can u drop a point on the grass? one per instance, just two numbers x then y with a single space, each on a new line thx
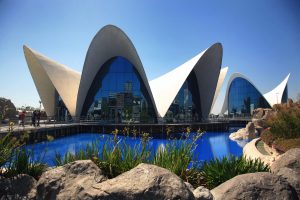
22 162
218 171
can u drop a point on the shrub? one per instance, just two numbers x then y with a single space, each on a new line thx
7 145
218 171
267 137
23 162
283 145
286 124
175 156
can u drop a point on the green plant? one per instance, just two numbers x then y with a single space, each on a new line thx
22 162
7 145
286 124
89 152
218 171
177 155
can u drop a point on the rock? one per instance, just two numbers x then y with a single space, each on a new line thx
269 113
258 113
68 181
261 185
288 167
290 159
21 186
292 176
189 186
244 133
201 193
145 182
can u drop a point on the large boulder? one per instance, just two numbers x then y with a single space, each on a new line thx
290 159
18 187
244 133
261 185
202 193
145 182
68 181
288 167
291 176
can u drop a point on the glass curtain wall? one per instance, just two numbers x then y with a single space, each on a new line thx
186 106
285 95
118 95
62 113
243 98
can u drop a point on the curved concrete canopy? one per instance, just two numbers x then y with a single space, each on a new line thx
275 96
234 76
206 66
49 76
109 42
220 83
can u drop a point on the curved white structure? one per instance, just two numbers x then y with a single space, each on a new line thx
166 87
108 43
271 97
275 96
49 76
220 83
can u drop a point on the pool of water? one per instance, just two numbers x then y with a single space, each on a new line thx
210 145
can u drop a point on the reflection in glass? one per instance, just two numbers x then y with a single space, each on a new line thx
62 113
186 105
284 95
118 95
243 98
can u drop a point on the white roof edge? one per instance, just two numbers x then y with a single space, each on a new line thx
221 79
275 95
110 41
166 87
64 79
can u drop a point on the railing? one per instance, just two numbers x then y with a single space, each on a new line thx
48 122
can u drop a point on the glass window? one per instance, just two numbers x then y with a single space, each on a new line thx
118 95
186 104
243 98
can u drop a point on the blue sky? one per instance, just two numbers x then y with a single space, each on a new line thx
261 38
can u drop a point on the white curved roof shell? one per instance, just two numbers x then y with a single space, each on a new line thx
49 75
206 65
275 96
222 76
108 43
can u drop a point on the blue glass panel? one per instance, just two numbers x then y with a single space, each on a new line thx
243 98
186 106
118 95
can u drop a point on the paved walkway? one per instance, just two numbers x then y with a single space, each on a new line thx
5 128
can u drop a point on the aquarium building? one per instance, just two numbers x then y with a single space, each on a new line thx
113 86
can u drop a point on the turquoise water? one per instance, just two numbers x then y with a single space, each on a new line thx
210 145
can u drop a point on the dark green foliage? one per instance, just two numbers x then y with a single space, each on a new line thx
22 162
218 171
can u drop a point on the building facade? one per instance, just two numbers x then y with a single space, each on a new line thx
113 86
242 97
